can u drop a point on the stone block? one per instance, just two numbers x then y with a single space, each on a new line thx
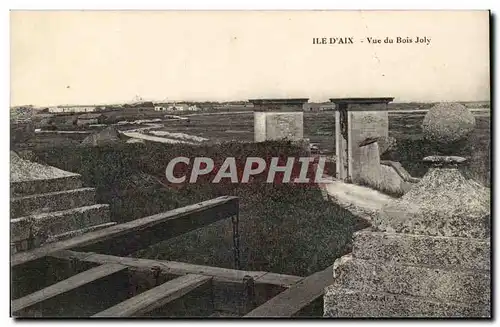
387 176
259 126
381 106
278 126
368 124
78 232
43 226
443 203
347 303
53 201
445 252
27 177
392 182
433 283
363 159
273 105
367 170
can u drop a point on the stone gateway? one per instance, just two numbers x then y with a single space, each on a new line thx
428 252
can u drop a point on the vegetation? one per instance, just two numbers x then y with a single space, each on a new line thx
284 227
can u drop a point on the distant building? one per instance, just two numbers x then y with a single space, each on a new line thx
327 107
89 119
160 108
182 107
69 109
178 107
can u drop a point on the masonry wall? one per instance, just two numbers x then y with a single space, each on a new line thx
259 126
365 124
382 177
278 125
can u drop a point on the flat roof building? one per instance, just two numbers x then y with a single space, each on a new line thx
69 109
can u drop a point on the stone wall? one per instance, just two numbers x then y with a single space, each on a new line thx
278 125
365 125
49 204
388 177
259 126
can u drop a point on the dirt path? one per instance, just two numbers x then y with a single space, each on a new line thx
359 200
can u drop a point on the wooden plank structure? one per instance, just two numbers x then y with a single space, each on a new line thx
99 271
156 297
66 285
291 301
140 233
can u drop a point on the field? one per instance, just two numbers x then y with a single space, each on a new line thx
237 125
319 128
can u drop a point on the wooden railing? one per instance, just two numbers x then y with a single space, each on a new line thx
92 276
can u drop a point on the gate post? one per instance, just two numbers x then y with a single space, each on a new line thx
276 119
357 119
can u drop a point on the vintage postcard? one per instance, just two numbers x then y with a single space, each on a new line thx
239 164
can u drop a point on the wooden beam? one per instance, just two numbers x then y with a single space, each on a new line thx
66 285
181 268
282 280
296 297
137 234
155 297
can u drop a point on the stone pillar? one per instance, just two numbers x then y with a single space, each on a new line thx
428 253
356 120
276 119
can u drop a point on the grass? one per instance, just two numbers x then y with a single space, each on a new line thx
283 229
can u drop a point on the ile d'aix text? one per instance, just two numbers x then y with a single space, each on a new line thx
373 40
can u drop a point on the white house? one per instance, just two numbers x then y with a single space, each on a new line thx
182 107
61 109
160 108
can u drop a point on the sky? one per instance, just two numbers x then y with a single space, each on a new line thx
97 57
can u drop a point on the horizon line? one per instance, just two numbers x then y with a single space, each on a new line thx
224 101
